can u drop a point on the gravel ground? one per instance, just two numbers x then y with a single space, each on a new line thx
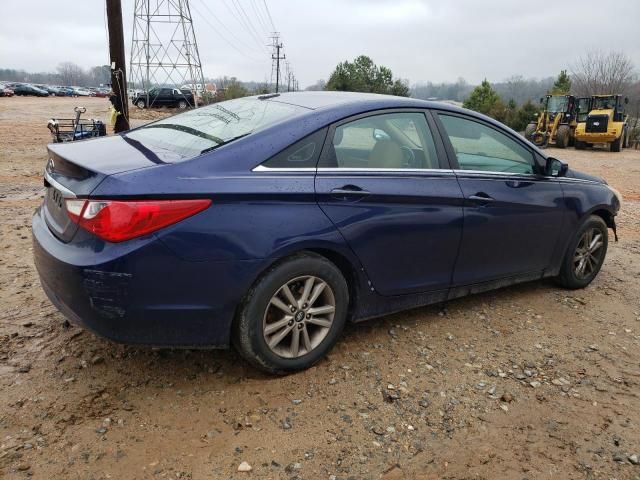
528 382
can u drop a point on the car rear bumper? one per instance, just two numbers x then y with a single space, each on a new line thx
139 292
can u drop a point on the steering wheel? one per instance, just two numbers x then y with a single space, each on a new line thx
409 156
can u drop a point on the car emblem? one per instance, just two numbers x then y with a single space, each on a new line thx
596 123
50 165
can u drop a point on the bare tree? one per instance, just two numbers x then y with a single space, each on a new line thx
602 73
71 74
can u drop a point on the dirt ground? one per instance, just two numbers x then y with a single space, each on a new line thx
528 382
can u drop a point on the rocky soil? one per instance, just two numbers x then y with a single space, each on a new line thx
529 382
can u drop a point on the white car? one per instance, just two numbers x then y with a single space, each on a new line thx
82 92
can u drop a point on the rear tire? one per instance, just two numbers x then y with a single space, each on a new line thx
276 328
585 254
562 136
580 145
528 131
616 145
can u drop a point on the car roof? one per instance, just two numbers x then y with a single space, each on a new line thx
316 100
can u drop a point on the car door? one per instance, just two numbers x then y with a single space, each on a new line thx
513 213
384 181
166 97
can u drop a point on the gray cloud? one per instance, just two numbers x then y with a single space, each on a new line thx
419 40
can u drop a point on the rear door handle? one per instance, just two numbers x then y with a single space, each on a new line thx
481 198
349 191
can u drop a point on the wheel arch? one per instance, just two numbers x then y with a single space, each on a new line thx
345 262
606 214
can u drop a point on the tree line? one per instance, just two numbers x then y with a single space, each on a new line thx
514 101
67 73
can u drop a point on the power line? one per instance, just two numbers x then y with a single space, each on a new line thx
248 20
261 21
269 15
228 30
235 13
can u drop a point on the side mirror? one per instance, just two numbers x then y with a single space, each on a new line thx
556 168
541 100
626 100
380 135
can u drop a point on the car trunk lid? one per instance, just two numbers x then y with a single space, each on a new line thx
75 169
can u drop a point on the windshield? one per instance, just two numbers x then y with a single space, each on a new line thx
202 129
603 103
557 104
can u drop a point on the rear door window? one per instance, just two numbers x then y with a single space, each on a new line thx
400 140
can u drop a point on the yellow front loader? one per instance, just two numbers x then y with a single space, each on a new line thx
556 124
607 123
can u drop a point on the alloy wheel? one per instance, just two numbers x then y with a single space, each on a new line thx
588 254
299 316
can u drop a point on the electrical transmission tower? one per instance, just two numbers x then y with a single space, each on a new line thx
164 50
275 59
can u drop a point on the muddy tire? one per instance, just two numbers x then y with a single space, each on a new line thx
585 254
293 314
528 131
562 136
616 145
182 104
140 104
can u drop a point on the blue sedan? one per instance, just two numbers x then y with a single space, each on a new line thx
268 222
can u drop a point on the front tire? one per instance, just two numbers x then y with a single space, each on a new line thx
585 254
140 104
562 136
293 315
182 104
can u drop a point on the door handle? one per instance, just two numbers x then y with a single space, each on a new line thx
481 198
349 191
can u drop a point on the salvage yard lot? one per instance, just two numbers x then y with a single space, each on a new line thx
526 382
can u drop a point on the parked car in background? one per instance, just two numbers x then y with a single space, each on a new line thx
134 92
165 97
102 92
82 92
279 217
53 91
5 91
66 91
28 89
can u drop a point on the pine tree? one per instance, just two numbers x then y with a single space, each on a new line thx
562 85
362 75
484 99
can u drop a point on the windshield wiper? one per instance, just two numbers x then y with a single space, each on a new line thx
223 143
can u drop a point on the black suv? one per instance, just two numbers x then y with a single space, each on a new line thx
165 97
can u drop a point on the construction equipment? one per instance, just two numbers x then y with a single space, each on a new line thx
557 123
606 123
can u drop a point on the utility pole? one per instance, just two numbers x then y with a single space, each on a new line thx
119 98
276 57
288 75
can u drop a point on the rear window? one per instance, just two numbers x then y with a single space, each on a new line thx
197 131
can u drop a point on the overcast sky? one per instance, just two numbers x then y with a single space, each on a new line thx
420 40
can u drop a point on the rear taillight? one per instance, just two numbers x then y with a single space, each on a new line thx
120 220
